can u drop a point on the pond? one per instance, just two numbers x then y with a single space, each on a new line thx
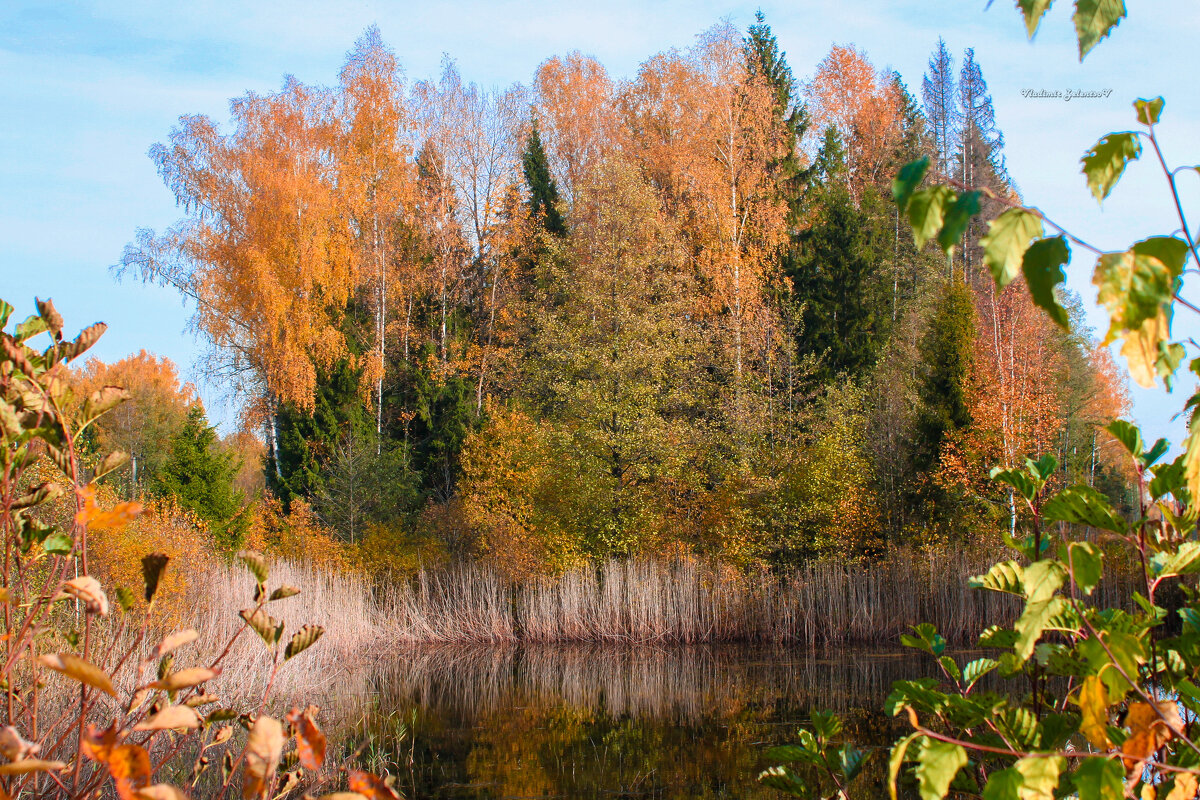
611 722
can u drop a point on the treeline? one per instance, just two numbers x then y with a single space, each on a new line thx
591 317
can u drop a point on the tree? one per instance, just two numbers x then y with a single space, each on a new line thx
576 109
616 360
941 108
543 193
145 424
834 274
199 475
376 183
948 351
766 62
862 105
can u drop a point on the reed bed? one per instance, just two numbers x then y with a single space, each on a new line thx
686 601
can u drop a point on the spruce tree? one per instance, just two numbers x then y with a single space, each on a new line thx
835 274
543 192
764 59
946 351
941 107
200 477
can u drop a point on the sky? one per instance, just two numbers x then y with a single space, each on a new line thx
88 87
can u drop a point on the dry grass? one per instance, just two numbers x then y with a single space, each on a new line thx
631 601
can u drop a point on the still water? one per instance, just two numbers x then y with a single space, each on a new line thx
612 722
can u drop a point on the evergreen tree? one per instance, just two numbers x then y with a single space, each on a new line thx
543 192
306 440
946 351
835 274
941 107
764 59
980 159
200 477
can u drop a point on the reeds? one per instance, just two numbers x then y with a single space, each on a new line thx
687 601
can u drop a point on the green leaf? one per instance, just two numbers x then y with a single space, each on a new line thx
5 312
266 626
1148 111
1184 561
58 544
1042 580
1017 479
896 760
937 765
1086 562
784 780
1033 11
1039 776
1084 505
1128 434
957 218
927 639
976 669
1007 239
1004 784
1042 267
1106 161
1006 577
927 210
1095 19
1099 779
907 180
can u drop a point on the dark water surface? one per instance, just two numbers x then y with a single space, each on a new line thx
611 722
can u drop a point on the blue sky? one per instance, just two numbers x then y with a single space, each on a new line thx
87 87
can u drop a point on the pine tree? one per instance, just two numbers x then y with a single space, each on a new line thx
200 477
941 108
543 193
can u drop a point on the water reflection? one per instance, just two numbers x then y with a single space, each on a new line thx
605 722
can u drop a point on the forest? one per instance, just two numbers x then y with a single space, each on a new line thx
595 317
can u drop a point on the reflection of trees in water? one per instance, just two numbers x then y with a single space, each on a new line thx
590 721
680 683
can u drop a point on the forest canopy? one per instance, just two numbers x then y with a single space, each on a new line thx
598 316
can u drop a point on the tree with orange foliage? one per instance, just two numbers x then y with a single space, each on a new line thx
377 185
574 105
477 134
261 252
707 133
863 105
143 426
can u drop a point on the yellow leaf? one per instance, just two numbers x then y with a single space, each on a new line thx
186 678
83 671
174 641
1184 788
171 718
1140 349
1093 705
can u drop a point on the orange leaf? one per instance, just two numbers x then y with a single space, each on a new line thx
310 741
263 749
129 766
371 786
99 746
1148 731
